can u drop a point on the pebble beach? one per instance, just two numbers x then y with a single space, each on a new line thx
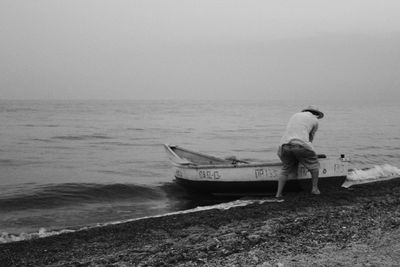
358 226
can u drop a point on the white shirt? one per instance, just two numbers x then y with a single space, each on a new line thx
301 129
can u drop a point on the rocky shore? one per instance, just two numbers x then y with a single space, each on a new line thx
359 226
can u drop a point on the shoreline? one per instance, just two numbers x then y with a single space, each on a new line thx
341 227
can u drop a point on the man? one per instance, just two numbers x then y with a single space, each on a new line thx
296 147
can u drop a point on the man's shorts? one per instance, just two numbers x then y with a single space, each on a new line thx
293 154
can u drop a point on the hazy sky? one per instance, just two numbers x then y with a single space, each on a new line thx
157 49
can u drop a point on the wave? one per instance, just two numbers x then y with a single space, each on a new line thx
16 162
42 125
59 195
17 109
81 137
125 144
135 129
7 238
42 140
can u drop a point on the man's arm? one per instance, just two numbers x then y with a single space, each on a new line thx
313 131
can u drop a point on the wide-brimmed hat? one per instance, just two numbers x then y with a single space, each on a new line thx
315 111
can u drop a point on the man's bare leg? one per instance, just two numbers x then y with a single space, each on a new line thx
314 177
282 181
281 185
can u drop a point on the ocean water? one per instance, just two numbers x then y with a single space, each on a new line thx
67 165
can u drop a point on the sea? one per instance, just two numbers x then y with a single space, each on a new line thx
67 165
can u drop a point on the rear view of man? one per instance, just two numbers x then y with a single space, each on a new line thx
296 147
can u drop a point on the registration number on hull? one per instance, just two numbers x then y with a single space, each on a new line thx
266 172
210 175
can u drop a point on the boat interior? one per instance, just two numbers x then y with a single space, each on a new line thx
195 157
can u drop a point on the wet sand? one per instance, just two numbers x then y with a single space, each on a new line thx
359 226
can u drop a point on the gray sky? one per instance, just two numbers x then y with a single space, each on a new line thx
157 49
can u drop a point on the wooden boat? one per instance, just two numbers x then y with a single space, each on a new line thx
204 173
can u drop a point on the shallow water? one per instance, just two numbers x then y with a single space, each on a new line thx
71 164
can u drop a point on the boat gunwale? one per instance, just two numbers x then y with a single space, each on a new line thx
227 166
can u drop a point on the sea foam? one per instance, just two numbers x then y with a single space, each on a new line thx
382 171
6 237
377 173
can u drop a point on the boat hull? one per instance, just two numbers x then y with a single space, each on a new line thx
256 187
215 175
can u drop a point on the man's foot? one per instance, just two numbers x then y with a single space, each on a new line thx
315 191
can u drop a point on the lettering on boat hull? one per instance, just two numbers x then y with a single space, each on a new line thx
209 175
266 172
